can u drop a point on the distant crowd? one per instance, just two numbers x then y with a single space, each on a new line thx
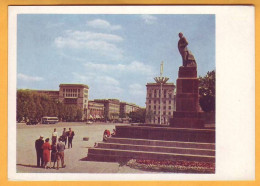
48 154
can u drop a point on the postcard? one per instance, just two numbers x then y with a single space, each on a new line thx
131 93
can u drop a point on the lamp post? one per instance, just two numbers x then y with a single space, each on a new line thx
161 80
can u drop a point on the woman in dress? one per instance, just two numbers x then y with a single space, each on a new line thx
46 152
53 153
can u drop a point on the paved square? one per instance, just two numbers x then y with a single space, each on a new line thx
26 154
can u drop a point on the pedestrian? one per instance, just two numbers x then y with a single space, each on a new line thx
60 153
71 134
53 154
64 136
46 152
106 135
39 152
54 136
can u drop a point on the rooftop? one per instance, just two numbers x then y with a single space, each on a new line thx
158 84
74 85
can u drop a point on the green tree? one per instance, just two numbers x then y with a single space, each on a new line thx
79 114
149 116
207 92
137 116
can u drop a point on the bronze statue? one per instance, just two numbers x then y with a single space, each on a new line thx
187 57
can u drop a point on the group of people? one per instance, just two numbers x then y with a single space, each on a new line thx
48 154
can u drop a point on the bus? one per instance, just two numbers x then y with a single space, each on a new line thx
49 120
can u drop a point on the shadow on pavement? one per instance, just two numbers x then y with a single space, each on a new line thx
32 166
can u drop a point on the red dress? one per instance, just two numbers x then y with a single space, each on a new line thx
46 151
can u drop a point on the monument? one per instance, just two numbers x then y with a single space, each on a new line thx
188 113
185 138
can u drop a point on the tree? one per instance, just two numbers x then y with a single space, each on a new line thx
149 116
137 116
33 105
79 114
207 92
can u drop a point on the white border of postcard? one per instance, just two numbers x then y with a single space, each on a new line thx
235 92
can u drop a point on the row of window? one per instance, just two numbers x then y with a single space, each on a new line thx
164 107
70 95
159 95
155 101
164 113
71 90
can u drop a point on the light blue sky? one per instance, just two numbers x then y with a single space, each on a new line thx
115 55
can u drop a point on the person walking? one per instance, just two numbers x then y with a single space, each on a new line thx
54 136
53 154
46 152
39 152
64 136
60 153
71 134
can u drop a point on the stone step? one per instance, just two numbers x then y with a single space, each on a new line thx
101 154
162 143
150 148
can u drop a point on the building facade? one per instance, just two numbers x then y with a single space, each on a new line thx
95 111
153 105
111 108
126 108
75 94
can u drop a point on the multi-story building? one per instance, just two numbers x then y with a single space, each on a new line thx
112 108
153 105
95 111
75 94
126 108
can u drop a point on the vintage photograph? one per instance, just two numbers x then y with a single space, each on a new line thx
115 93
101 92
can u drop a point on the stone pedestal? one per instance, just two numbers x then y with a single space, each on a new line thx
188 112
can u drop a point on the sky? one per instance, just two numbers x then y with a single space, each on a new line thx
115 55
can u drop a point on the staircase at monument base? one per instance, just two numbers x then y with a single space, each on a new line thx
120 149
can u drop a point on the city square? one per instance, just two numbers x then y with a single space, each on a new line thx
74 157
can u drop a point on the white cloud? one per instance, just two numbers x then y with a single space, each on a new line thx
149 19
28 78
133 67
86 35
103 24
137 89
100 84
102 44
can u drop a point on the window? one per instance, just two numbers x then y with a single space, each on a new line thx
170 107
169 113
170 101
170 95
154 112
164 107
154 101
149 107
149 101
154 106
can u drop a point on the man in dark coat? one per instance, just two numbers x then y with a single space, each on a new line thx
38 147
70 135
